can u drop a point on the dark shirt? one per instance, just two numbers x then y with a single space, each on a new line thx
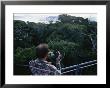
42 67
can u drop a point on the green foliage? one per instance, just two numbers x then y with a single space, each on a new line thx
67 49
65 18
24 55
74 37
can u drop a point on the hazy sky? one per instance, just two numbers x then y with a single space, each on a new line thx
46 17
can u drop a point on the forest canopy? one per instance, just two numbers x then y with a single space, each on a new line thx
75 37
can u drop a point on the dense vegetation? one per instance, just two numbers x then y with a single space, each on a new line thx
74 37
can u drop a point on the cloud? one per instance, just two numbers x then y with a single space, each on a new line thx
48 17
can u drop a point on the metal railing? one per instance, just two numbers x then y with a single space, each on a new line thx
78 67
72 69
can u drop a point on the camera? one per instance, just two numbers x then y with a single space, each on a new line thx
53 56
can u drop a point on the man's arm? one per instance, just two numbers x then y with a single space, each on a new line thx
57 68
58 59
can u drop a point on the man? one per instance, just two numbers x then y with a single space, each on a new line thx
41 66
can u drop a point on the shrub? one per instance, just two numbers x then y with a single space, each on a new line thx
24 55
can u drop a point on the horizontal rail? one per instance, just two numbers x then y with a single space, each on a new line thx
80 65
74 69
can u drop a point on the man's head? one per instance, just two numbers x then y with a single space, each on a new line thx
42 50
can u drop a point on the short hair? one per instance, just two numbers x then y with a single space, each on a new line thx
42 50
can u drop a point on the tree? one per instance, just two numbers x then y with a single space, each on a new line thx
75 37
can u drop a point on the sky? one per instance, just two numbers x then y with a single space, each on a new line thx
47 17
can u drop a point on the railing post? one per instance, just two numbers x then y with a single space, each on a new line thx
77 72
